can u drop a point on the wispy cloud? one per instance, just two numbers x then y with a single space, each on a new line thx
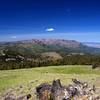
13 37
50 29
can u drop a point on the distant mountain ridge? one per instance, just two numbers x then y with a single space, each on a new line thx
92 44
34 46
65 43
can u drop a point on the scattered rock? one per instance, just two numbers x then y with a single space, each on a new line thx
43 91
21 97
28 96
9 98
76 91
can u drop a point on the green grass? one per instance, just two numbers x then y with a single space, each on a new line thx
14 78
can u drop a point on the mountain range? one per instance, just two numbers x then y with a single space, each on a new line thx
92 44
36 46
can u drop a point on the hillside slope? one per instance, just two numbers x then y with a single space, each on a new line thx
30 47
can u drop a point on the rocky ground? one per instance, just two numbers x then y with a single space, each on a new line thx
56 91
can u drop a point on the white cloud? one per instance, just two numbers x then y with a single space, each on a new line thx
50 29
13 37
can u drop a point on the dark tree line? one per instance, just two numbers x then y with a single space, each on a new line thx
39 62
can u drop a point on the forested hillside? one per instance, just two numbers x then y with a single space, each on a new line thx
37 53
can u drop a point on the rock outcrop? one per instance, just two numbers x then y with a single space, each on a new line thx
76 91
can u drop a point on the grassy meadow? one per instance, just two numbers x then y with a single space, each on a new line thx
35 76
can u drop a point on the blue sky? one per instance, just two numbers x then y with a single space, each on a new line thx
63 19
